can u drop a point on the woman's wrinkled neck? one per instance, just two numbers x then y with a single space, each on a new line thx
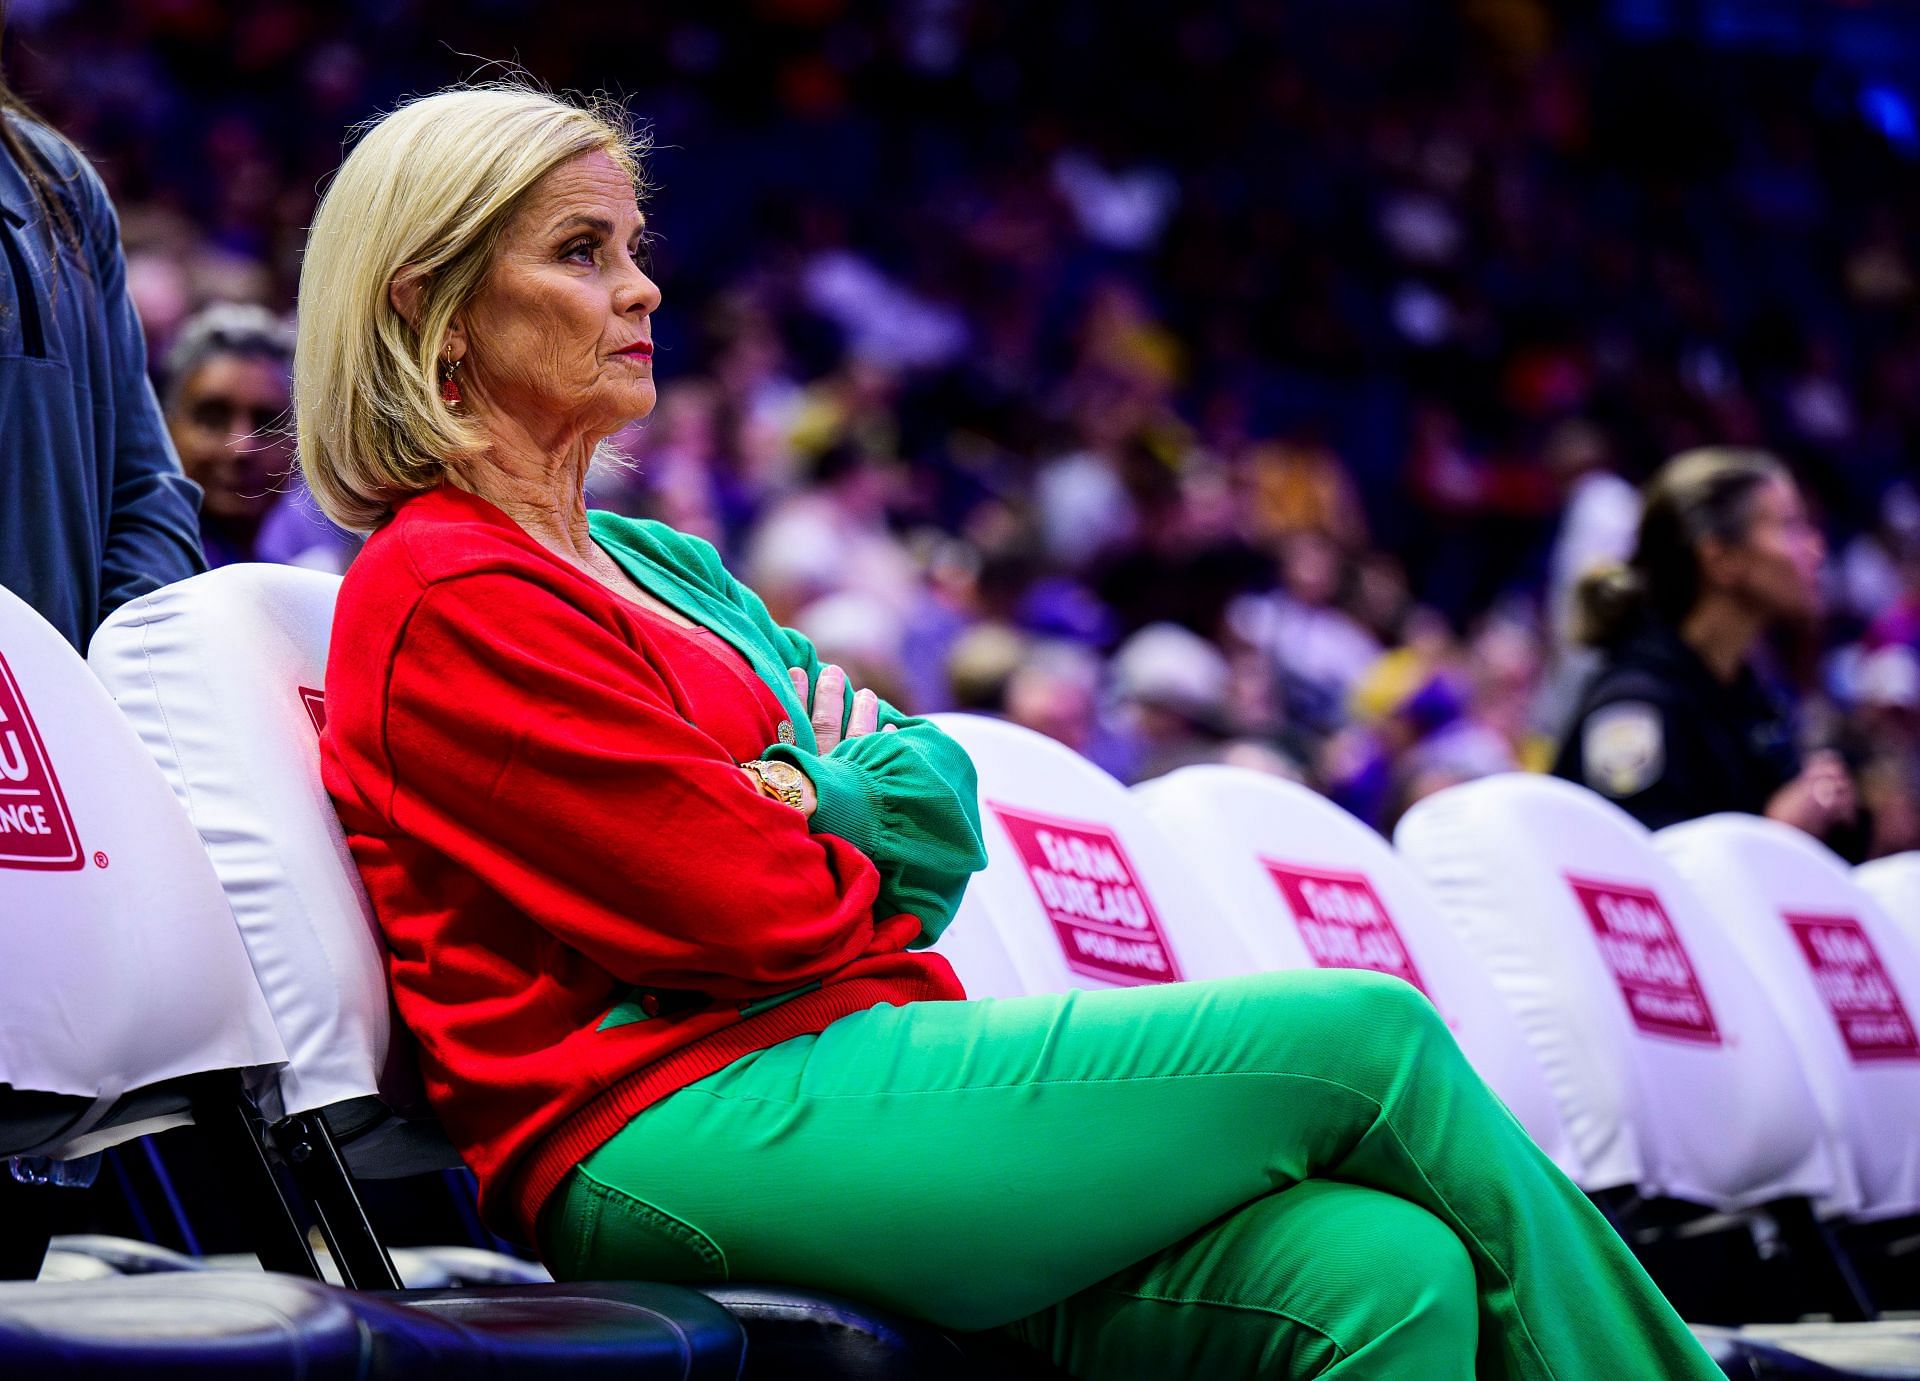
540 483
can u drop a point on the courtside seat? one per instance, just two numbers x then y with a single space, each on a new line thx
1844 978
796 1335
1081 889
232 1324
810 1335
214 1326
616 1330
120 966
1307 885
1629 993
127 1000
221 676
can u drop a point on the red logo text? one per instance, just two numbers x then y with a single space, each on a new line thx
36 829
1101 915
1342 921
1648 961
316 704
1855 986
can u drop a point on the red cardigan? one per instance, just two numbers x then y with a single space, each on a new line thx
586 903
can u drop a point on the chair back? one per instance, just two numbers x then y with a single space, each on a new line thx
1629 993
222 675
120 964
1080 890
1844 978
1308 886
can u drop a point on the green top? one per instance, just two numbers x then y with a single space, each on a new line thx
907 800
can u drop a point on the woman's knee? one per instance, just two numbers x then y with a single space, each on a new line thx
1383 1278
1361 1024
1366 996
1414 1295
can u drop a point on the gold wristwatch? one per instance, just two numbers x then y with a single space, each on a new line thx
784 779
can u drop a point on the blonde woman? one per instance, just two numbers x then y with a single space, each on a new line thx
658 888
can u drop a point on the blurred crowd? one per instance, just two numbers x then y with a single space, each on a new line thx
1244 381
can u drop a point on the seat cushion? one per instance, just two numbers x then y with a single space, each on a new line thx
219 1324
581 1332
809 1335
801 1335
189 1324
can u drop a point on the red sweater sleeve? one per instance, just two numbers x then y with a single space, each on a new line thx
530 743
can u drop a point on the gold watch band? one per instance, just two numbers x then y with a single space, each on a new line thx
783 779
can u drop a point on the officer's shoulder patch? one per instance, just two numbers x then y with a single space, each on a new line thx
1624 747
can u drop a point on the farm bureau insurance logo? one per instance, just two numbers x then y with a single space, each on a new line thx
36 829
316 704
1103 918
1648 961
1342 921
1854 984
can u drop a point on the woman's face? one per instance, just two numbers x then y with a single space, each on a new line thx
1777 567
558 341
225 424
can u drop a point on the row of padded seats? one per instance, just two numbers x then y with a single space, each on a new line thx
261 1325
1718 1017
187 941
1716 1072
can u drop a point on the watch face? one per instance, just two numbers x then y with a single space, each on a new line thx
783 775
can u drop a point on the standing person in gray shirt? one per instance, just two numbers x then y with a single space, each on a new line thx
93 507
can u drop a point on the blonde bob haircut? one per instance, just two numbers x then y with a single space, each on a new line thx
425 194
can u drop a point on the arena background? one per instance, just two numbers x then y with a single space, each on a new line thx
1212 381
1184 384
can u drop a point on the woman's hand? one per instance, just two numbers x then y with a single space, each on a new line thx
864 718
1821 797
828 696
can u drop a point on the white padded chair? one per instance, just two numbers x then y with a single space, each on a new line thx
121 970
1308 885
128 1004
1080 890
1632 998
221 675
1845 979
1895 884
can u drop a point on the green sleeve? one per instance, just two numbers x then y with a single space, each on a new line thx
908 800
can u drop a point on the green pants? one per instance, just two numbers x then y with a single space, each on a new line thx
1286 1175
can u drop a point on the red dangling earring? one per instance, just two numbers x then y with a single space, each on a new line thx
449 385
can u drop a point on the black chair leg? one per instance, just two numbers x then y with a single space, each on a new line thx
237 1135
308 1147
26 1223
1836 1281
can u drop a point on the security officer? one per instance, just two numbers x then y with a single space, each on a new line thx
1676 723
